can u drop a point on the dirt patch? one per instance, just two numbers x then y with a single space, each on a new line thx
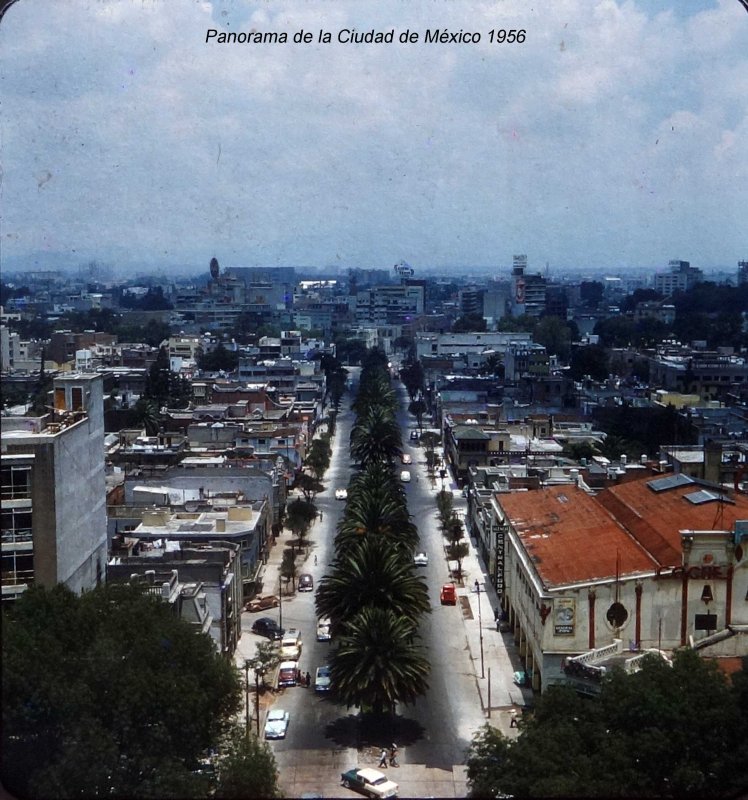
467 612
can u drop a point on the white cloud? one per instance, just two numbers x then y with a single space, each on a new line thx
594 142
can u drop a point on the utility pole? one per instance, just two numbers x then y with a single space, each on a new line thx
480 629
246 696
257 699
280 602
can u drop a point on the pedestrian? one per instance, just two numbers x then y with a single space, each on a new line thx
315 561
513 722
308 679
382 758
393 755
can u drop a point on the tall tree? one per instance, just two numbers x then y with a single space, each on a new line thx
372 573
664 731
247 769
378 662
108 694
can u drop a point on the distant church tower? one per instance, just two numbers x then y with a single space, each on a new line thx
214 268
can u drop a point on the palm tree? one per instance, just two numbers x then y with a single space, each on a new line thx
376 436
378 663
374 573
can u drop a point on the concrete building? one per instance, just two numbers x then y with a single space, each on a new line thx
54 491
190 571
680 276
473 348
657 562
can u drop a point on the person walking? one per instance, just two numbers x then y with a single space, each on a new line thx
382 758
308 679
393 756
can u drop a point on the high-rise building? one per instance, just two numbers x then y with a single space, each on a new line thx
54 526
680 277
742 273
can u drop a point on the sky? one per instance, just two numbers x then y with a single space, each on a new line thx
614 137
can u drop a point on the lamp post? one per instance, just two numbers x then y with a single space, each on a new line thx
246 696
280 602
480 629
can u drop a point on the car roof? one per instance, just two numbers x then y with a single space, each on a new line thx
288 665
276 713
371 775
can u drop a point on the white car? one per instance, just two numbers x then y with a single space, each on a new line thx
405 476
370 782
290 646
277 724
323 630
341 494
322 679
421 560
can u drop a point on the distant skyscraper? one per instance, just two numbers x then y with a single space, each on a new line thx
742 273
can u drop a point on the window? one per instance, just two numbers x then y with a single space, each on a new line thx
16 483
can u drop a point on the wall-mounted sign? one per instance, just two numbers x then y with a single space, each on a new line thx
698 573
564 613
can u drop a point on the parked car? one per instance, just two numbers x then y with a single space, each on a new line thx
421 560
306 582
276 724
370 782
323 630
405 476
448 595
341 494
406 458
288 673
290 647
414 436
264 626
322 679
262 603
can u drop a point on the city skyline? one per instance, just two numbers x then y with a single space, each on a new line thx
610 138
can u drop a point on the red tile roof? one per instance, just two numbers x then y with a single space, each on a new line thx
657 518
573 537
570 537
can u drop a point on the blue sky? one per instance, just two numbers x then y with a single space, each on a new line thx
614 137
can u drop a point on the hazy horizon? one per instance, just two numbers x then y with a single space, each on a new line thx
612 139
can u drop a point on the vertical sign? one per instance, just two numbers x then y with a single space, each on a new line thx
564 611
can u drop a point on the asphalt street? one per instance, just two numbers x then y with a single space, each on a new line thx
433 733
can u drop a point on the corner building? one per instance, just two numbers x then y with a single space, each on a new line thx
54 491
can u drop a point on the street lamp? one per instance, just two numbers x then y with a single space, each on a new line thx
480 629
280 602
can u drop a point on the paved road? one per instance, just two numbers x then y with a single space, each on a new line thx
324 738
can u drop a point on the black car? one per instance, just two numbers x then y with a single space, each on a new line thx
414 436
306 582
264 626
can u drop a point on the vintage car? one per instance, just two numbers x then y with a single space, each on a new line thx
290 646
277 724
323 630
322 679
370 782
448 595
421 560
262 603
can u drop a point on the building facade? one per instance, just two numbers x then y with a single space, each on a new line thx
54 492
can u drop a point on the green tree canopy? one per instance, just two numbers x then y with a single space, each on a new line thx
378 662
108 694
372 573
664 731
247 769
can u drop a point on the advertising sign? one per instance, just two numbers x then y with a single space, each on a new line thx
564 611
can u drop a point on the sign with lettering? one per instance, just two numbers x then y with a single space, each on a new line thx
708 572
500 562
564 613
